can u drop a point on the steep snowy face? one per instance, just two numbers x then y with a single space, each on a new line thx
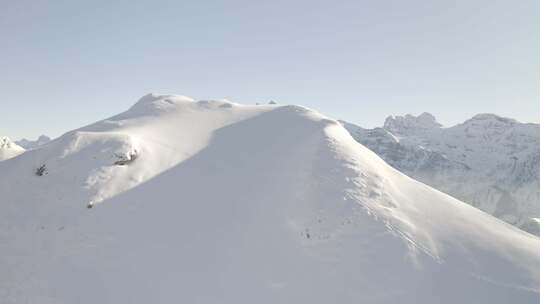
32 144
9 149
488 161
257 204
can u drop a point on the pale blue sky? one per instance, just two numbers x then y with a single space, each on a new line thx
64 64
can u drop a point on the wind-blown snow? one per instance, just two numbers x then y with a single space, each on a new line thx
227 203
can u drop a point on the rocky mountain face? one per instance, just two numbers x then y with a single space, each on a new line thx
491 162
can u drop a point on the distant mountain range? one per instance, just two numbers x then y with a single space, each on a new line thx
488 161
32 144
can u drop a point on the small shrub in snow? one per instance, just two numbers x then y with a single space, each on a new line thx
41 170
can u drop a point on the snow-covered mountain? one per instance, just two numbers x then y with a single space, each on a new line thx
216 202
32 144
9 149
491 162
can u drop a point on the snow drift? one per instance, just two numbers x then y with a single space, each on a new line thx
226 203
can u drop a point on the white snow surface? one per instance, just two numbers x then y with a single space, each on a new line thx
226 203
9 149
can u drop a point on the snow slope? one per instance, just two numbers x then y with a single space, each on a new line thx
227 203
9 149
491 162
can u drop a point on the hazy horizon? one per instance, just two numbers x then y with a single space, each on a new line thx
66 64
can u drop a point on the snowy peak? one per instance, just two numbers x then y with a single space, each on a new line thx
156 102
410 124
491 118
5 143
9 149
489 121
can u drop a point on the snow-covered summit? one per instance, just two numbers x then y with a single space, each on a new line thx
155 102
490 118
9 149
214 202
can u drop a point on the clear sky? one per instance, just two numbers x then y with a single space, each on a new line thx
64 64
